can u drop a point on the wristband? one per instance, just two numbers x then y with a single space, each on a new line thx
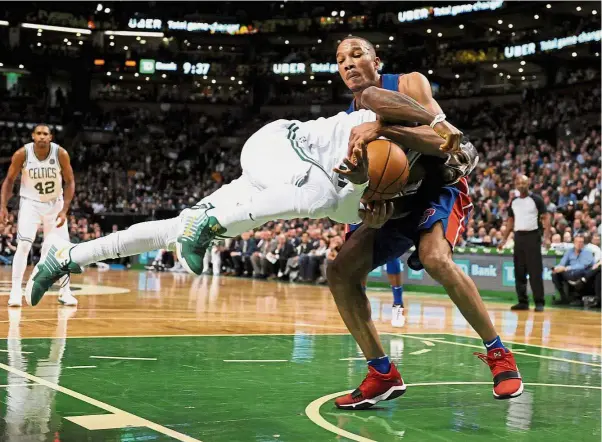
438 119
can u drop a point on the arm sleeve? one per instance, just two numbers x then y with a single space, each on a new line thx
510 211
349 204
541 207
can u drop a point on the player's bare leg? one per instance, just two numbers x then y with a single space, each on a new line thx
436 257
345 277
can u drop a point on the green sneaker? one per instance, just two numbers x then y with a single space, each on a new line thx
199 232
52 267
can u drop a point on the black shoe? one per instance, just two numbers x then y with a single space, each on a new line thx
539 308
520 306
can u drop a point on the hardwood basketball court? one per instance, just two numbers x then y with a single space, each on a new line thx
172 357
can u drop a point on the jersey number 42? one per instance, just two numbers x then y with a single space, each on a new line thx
45 188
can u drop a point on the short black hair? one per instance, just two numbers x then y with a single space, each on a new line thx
42 125
368 43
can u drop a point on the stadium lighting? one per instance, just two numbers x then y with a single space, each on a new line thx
121 77
239 81
108 74
497 32
510 25
461 26
508 77
439 34
147 78
136 74
137 38
213 81
342 13
549 6
107 10
285 42
501 74
594 12
5 23
204 77
232 78
574 54
494 65
536 17
428 31
523 62
319 40
334 13
329 81
286 78
597 54
56 28
522 78
68 43
534 77
125 48
520 70
164 76
81 43
79 34
65 40
99 7
430 72
578 8
1 64
391 38
490 29
500 21
112 43
135 33
457 76
138 88
304 82
312 77
535 31
39 44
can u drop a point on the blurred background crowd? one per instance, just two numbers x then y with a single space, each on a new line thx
155 122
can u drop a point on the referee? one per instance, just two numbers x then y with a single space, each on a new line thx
525 213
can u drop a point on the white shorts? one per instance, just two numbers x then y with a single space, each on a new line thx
268 159
33 214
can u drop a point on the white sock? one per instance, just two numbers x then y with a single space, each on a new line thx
314 199
139 238
20 263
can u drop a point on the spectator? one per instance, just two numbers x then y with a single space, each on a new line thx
573 266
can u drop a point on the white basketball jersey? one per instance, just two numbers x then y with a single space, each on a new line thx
41 180
324 141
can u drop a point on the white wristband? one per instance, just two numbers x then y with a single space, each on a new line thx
438 119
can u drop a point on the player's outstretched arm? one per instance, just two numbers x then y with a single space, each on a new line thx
16 165
68 185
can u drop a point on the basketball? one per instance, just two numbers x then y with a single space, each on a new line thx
388 170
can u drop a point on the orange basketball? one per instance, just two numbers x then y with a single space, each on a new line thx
388 170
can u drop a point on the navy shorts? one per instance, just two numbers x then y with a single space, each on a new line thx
451 207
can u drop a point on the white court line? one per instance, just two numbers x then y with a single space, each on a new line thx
17 385
16 351
255 360
428 343
353 359
462 344
533 345
141 421
313 409
123 358
82 366
420 352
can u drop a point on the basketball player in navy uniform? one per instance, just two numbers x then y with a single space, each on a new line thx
435 222
44 167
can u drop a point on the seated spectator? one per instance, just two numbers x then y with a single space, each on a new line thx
266 245
310 271
299 261
279 257
588 286
573 266
241 255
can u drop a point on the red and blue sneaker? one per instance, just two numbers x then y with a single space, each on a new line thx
375 387
507 381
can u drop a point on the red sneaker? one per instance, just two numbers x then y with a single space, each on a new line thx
507 382
376 387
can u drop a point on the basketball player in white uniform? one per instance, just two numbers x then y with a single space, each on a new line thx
291 169
44 166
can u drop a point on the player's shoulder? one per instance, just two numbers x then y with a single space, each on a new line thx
21 152
411 77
